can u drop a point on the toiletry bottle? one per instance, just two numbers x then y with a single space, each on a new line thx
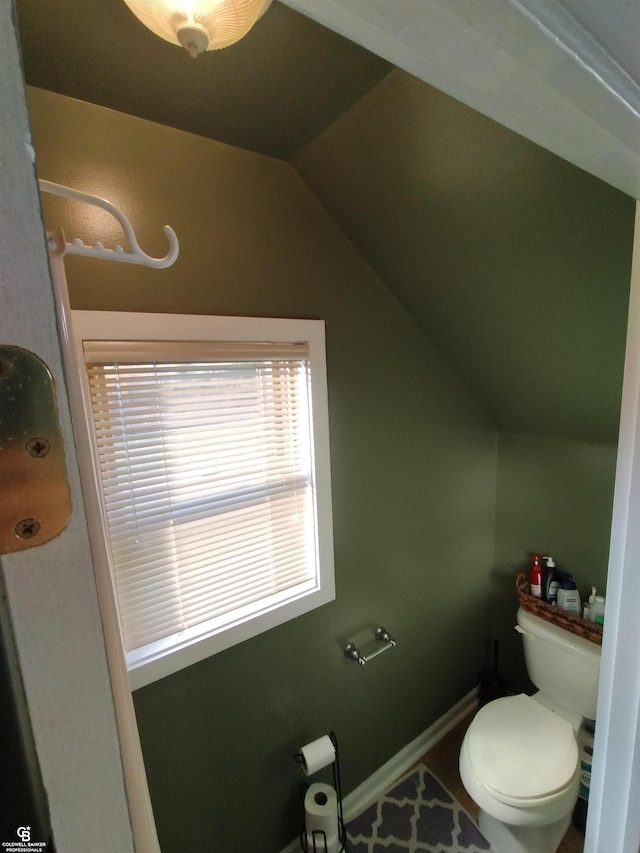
551 582
586 613
597 610
568 595
535 578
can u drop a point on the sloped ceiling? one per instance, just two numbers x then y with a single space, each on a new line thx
563 73
272 92
515 263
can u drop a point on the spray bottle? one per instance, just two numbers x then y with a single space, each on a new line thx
535 577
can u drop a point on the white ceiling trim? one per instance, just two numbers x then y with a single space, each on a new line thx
528 64
559 24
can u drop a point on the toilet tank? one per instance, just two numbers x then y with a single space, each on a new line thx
561 664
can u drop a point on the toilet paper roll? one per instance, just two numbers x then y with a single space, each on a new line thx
585 742
321 819
586 757
317 754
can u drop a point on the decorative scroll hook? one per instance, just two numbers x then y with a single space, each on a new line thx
135 256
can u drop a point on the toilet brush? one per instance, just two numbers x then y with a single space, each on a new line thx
492 683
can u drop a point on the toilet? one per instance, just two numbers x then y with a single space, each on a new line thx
519 759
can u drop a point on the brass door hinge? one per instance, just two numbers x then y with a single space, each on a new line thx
35 501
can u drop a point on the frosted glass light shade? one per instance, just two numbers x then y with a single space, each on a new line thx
199 25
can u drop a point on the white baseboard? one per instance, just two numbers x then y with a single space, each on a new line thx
379 781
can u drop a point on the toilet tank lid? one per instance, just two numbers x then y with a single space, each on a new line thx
522 750
557 636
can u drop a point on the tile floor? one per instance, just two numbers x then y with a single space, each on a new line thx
443 760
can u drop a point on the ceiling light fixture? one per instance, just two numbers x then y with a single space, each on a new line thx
199 25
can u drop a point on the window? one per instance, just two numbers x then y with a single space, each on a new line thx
210 453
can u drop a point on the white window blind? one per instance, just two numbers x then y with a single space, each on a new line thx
206 460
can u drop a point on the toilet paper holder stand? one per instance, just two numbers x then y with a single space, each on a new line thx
318 836
382 635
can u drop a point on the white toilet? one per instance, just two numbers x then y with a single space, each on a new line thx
519 758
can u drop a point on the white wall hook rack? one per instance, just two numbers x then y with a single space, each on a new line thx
135 255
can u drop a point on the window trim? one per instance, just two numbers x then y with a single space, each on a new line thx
115 325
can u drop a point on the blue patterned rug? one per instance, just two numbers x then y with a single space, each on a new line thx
417 815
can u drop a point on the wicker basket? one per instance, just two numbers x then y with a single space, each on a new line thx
568 621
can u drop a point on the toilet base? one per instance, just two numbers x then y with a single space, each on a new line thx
505 838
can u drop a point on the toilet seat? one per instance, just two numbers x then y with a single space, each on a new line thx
522 752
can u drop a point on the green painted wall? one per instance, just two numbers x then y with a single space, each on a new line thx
554 497
413 474
514 262
517 266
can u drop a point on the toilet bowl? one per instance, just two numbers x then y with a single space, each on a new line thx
519 759
519 762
